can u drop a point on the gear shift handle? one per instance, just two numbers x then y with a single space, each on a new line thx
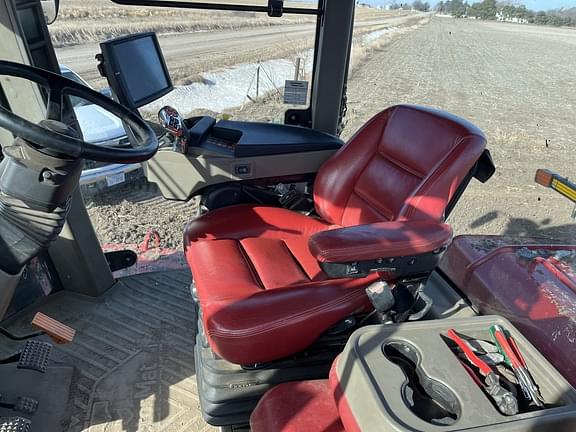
172 121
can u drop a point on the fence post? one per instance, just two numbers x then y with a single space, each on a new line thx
258 81
297 70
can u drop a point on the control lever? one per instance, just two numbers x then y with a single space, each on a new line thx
380 295
172 121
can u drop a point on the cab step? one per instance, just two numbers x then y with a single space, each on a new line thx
14 424
35 356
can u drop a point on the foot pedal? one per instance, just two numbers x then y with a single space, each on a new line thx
26 405
60 333
35 356
14 424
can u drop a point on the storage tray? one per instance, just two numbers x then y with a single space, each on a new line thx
373 385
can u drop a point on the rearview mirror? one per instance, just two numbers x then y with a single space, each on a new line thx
50 9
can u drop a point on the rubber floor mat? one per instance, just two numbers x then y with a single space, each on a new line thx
133 354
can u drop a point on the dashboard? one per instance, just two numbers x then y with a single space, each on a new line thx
246 139
225 150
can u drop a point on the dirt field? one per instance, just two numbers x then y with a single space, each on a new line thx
516 82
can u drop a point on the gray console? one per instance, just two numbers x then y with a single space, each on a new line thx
228 151
378 392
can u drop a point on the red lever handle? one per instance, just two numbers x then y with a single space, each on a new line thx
470 355
508 351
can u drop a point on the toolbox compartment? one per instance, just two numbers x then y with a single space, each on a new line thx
385 371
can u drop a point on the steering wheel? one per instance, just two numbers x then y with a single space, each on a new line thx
144 142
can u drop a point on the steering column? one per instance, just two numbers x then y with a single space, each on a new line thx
42 168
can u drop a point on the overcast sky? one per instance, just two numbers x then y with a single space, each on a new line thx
531 4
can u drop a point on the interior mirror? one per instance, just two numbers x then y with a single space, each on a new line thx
50 9
275 8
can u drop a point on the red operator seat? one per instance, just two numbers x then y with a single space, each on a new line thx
260 272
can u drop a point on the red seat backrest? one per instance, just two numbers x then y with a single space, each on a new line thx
405 163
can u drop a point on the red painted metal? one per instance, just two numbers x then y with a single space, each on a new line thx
151 257
531 284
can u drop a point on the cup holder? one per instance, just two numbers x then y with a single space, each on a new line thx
427 398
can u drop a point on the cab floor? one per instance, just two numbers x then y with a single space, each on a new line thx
133 356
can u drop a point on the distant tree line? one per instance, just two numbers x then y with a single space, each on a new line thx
416 5
507 11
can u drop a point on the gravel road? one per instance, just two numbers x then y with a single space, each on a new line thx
516 82
185 49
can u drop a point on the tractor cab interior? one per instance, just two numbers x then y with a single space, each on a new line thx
342 303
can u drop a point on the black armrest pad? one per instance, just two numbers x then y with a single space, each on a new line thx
379 240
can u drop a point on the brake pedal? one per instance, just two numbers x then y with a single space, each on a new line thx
24 405
14 424
35 356
60 333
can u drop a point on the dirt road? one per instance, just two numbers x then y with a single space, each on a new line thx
517 83
186 48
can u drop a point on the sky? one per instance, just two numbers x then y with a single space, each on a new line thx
548 4
530 4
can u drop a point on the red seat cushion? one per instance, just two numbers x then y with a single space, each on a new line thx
405 163
295 407
262 293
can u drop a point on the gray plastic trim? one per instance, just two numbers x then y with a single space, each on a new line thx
179 176
372 384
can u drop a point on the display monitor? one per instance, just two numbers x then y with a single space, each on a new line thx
135 68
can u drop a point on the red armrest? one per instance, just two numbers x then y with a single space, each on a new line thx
379 240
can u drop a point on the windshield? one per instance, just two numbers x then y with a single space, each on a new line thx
506 66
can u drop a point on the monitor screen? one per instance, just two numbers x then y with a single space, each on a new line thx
135 69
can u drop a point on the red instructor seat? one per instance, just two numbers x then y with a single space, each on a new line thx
263 294
311 406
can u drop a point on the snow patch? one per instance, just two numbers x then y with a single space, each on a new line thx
237 85
231 87
372 36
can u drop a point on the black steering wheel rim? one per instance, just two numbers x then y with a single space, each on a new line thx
144 142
